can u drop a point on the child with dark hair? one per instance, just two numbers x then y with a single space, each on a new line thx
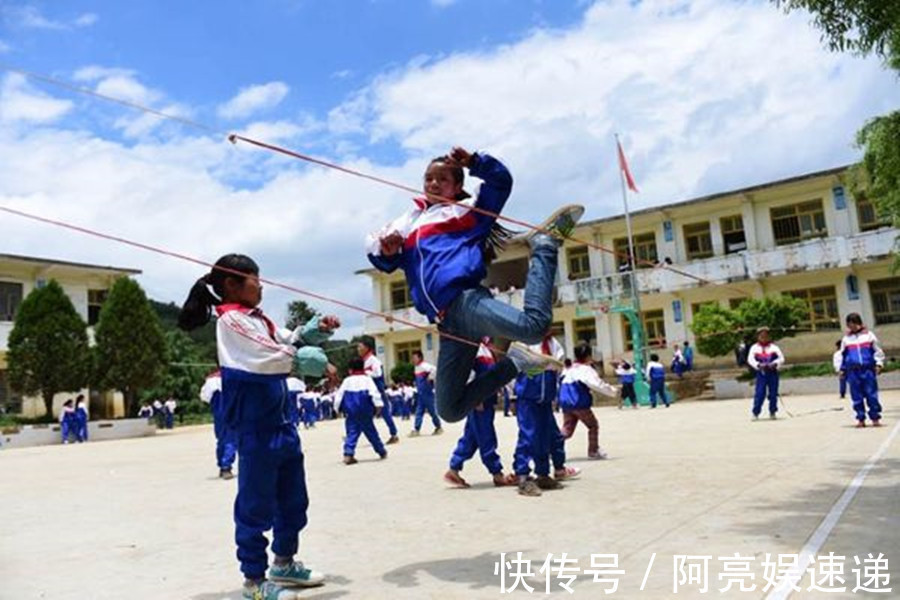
862 362
424 375
575 398
443 247
656 376
479 434
375 369
226 450
81 419
68 422
361 401
256 358
626 374
765 358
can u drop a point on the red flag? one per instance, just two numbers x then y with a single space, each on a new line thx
623 164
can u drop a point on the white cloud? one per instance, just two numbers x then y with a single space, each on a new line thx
30 17
19 102
253 99
707 95
442 3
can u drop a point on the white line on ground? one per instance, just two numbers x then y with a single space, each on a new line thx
812 547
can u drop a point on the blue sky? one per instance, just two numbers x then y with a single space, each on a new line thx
709 95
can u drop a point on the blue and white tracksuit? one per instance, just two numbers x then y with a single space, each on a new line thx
539 436
226 449
861 355
443 259
626 378
81 423
424 377
68 423
656 376
358 397
479 433
396 399
296 387
409 396
256 358
765 359
375 370
309 409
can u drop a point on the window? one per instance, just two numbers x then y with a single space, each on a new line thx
96 298
734 303
10 403
696 306
403 351
823 308
733 234
400 297
644 250
654 327
868 215
798 222
585 330
579 263
10 299
885 300
698 241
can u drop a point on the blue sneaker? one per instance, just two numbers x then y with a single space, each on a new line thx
267 590
295 574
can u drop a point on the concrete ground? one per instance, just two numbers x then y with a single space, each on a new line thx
148 519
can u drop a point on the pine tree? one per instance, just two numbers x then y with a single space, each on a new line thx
48 346
131 350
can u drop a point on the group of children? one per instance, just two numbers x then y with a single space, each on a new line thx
443 245
73 420
162 412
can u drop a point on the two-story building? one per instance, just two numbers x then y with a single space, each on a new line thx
87 286
806 236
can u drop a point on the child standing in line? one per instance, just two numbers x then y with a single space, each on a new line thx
688 356
256 358
538 431
443 246
81 419
626 374
375 370
146 412
361 401
678 365
837 360
169 408
68 422
424 375
765 358
575 398
479 433
211 393
409 396
309 409
863 360
396 397
656 375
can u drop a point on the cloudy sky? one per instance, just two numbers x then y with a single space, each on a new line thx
708 95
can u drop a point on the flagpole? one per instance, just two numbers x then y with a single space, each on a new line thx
635 297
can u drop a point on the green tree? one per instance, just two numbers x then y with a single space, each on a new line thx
183 373
131 349
48 346
402 372
299 312
867 27
719 330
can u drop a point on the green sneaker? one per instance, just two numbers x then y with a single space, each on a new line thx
295 574
561 223
267 590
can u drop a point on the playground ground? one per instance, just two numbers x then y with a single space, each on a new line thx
148 518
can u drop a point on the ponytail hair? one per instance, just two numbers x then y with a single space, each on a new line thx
499 235
209 291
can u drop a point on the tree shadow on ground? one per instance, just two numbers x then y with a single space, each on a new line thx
476 572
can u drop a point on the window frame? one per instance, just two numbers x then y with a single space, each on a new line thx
828 320
9 309
394 289
891 285
582 256
701 233
813 210
646 252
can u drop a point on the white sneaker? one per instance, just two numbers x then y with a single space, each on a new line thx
561 223
528 361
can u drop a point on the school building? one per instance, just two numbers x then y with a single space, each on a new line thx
87 286
806 236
